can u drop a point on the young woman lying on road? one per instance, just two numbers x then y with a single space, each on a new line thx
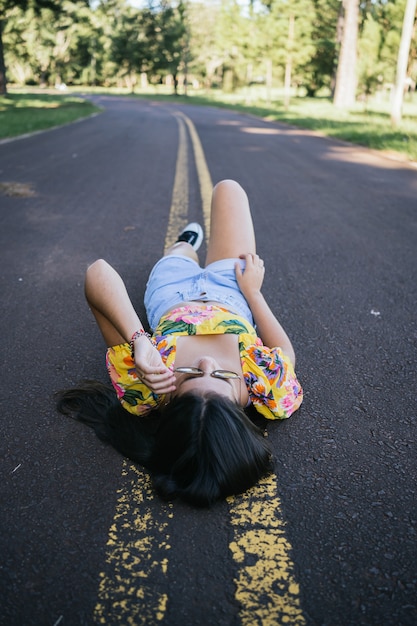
182 391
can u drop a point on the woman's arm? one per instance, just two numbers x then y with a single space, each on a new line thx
117 319
269 329
110 303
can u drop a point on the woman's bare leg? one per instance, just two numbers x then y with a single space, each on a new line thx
184 249
231 227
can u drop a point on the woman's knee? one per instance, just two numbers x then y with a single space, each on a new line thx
228 185
229 201
229 193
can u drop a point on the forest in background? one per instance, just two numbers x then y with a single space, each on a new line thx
311 47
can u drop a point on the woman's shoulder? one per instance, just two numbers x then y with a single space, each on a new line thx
273 387
132 393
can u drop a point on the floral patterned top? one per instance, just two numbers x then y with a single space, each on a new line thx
268 373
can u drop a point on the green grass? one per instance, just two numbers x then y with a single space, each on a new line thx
367 124
22 113
370 127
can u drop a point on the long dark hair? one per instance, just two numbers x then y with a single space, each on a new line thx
200 448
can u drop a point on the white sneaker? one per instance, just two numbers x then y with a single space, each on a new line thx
192 234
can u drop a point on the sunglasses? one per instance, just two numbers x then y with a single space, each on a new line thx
196 371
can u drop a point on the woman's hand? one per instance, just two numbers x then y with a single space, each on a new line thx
251 278
150 368
268 327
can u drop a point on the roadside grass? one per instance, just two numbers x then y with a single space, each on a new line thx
22 113
367 124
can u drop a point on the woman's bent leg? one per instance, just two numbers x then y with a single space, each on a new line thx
231 227
183 249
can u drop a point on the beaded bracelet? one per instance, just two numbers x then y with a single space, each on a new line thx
136 334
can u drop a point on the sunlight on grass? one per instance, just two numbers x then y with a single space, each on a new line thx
22 113
367 124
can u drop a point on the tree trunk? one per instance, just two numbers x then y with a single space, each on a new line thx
339 37
288 63
345 91
268 81
3 80
402 62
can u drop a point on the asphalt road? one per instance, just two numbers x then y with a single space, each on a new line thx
331 539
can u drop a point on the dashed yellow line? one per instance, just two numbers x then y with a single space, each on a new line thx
133 589
204 178
179 204
266 589
180 194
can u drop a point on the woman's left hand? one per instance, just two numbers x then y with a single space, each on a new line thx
251 278
150 368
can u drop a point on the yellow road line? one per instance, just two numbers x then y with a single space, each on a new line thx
180 194
204 178
132 590
266 588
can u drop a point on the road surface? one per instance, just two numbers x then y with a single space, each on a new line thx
330 539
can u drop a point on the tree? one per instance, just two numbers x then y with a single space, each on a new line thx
319 71
402 62
222 42
46 46
169 40
5 6
346 80
288 40
232 43
129 50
